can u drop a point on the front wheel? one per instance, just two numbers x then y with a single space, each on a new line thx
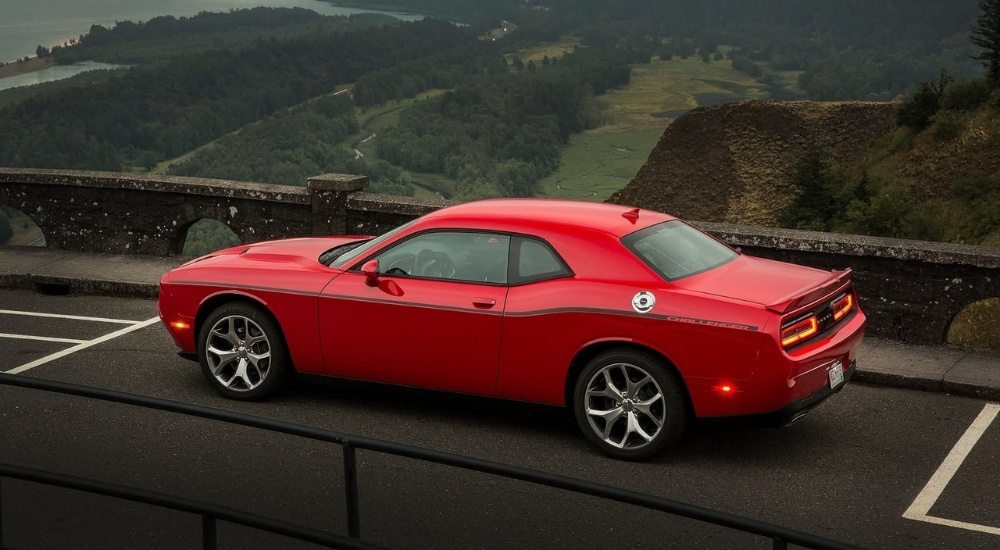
629 404
242 352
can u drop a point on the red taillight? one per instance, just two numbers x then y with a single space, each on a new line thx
799 331
843 306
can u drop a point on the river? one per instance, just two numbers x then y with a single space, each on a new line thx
26 24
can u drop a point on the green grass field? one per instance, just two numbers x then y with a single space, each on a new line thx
599 162
596 164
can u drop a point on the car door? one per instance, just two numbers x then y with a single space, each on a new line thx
432 318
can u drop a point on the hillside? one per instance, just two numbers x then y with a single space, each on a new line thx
735 162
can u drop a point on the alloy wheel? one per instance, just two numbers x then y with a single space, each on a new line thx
238 353
624 406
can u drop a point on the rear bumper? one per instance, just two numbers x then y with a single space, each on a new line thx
797 409
791 412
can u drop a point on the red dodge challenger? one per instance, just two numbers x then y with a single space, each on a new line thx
634 319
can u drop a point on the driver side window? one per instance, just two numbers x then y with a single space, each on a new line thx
454 255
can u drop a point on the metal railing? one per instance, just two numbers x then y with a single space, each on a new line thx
780 536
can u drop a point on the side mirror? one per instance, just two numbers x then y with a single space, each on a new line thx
370 271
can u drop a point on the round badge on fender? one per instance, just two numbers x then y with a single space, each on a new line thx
643 302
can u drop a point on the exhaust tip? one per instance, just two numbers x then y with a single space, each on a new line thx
796 418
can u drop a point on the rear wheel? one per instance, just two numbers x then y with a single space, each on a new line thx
629 404
242 352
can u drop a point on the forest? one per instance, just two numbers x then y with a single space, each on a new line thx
162 110
132 42
498 134
293 146
845 49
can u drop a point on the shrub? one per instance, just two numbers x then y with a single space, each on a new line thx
947 124
965 95
979 196
916 112
883 214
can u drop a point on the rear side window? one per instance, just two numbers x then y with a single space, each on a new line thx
675 250
535 260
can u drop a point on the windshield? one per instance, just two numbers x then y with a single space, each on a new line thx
674 249
343 255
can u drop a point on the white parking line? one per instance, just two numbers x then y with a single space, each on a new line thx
41 338
59 316
83 345
921 506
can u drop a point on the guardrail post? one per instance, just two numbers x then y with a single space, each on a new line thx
209 535
1 512
351 491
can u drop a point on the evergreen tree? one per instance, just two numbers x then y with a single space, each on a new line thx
814 205
986 35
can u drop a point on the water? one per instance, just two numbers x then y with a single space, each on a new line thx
26 24
57 72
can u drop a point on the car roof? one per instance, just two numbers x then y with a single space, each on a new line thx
547 214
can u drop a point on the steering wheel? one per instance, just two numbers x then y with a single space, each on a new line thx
432 264
396 271
441 267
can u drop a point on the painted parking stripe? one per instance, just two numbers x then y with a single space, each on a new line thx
921 507
83 345
41 338
70 317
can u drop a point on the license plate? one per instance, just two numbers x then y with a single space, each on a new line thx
836 374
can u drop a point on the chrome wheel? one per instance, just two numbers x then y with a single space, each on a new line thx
630 403
625 406
238 353
242 352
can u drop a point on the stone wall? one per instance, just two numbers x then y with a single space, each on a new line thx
911 290
150 214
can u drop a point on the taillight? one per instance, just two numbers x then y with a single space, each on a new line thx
799 330
842 306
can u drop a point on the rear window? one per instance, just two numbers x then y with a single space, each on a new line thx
675 250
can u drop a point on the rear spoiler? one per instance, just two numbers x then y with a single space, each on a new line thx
792 302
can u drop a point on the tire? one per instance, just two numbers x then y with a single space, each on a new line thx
629 404
242 352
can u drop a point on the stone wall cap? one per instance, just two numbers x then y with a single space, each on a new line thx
158 183
855 245
344 183
393 204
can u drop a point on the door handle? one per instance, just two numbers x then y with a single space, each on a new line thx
484 302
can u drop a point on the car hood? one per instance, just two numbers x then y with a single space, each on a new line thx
778 286
290 251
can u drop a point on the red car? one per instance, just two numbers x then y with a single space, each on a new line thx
636 320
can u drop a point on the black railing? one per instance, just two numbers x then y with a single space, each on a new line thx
780 536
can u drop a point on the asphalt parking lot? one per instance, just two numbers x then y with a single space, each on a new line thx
877 467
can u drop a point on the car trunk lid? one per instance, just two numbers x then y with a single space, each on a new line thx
778 286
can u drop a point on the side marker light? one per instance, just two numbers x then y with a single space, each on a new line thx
726 389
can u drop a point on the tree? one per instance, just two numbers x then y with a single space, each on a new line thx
814 206
916 112
986 35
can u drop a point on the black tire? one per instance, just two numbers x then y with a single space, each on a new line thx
653 394
241 335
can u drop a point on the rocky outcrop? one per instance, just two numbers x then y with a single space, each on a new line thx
735 162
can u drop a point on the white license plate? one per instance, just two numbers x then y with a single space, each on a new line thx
836 374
